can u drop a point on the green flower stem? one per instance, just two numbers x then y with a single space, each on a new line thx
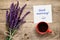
9 37
11 34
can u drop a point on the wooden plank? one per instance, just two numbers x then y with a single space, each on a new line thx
29 27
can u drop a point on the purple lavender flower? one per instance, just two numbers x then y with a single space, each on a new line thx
14 14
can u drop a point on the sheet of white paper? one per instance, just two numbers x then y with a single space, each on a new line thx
42 13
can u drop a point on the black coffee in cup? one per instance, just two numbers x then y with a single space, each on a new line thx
42 27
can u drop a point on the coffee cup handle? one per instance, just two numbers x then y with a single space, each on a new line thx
49 31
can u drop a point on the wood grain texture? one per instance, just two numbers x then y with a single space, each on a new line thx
29 27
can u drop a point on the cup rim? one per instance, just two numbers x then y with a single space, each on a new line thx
39 31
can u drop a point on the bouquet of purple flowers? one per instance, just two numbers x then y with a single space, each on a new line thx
13 19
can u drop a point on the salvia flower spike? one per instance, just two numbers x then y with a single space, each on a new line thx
13 19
